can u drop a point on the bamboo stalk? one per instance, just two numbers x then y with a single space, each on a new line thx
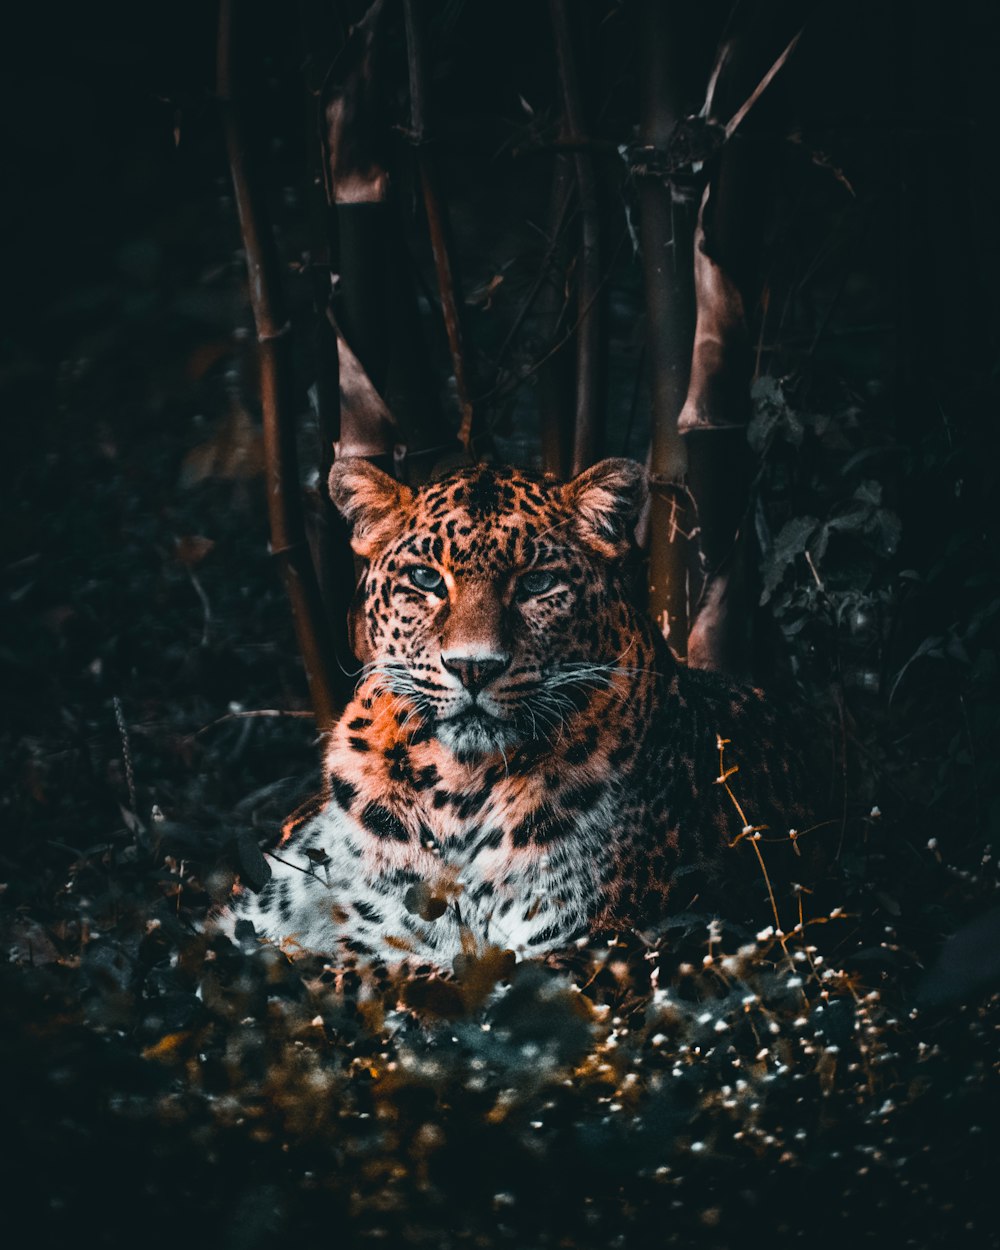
357 184
665 232
333 557
555 384
374 301
284 502
588 414
717 408
437 226
713 423
325 528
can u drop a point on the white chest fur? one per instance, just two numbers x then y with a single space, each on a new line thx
453 883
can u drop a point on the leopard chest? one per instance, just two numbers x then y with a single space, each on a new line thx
522 875
526 882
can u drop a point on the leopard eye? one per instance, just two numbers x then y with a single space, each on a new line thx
537 582
426 578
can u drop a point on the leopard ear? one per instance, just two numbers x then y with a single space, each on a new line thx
606 501
370 501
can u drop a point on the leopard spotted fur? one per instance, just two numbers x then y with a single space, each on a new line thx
523 763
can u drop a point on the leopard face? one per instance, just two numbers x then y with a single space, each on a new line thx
492 599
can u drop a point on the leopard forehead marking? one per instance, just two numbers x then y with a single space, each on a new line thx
482 521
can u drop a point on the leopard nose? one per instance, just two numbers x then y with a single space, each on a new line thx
475 671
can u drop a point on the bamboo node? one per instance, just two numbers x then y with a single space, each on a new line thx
270 336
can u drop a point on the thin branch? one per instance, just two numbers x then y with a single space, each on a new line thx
206 607
288 539
503 390
126 755
761 87
721 57
558 212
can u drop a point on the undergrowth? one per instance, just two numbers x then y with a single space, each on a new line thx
696 1083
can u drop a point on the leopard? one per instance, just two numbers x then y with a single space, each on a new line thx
524 764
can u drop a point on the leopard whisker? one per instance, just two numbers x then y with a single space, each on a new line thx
557 726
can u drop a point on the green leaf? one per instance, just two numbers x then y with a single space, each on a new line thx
255 871
791 542
869 491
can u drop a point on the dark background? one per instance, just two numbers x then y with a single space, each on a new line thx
133 529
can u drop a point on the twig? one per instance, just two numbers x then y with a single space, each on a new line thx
126 755
752 834
813 569
559 211
306 872
503 390
761 87
206 607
